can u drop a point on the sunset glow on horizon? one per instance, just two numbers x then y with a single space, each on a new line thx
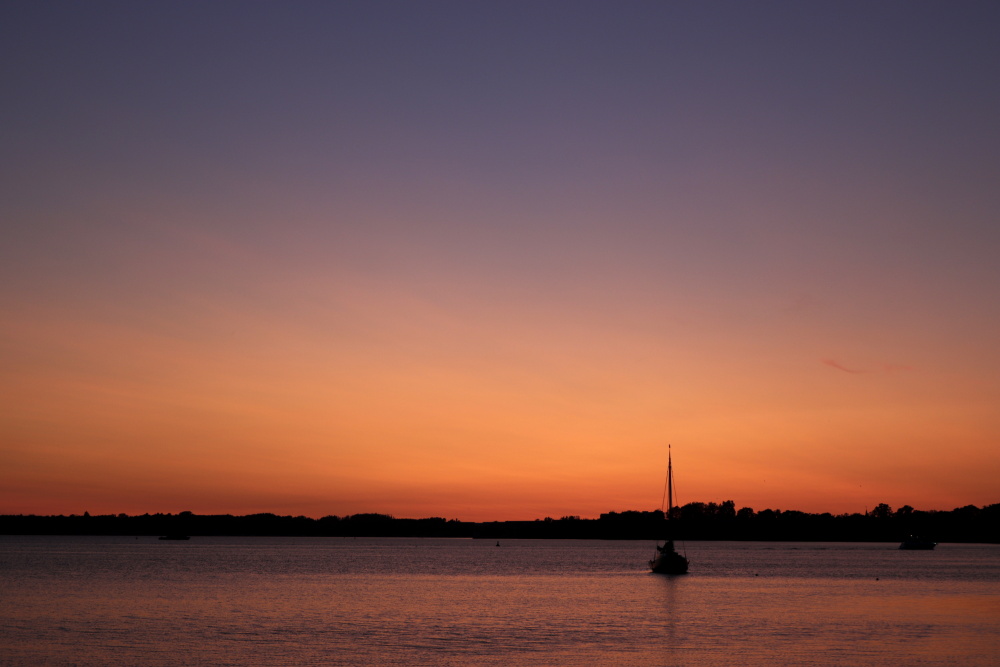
485 261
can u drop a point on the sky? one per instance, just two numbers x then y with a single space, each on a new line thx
486 260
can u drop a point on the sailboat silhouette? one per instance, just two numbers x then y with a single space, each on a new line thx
666 559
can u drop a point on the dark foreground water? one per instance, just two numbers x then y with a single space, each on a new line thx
336 601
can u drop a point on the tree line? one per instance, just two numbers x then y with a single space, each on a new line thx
693 521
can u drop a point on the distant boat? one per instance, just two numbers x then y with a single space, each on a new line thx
912 542
666 560
175 537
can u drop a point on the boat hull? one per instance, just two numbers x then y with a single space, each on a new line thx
671 563
914 545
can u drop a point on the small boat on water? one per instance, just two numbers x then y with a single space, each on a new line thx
913 542
175 537
666 560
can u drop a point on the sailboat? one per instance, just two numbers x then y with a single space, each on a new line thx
913 542
666 560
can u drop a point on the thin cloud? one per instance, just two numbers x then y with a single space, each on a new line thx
884 368
833 364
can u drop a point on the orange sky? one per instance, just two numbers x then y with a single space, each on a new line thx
436 277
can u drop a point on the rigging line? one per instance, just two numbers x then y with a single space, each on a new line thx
673 484
666 481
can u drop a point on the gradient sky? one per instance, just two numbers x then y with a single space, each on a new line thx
484 260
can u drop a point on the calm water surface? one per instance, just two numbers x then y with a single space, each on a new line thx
336 601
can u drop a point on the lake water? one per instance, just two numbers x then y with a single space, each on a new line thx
337 601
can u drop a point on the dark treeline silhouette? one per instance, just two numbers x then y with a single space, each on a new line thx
694 521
